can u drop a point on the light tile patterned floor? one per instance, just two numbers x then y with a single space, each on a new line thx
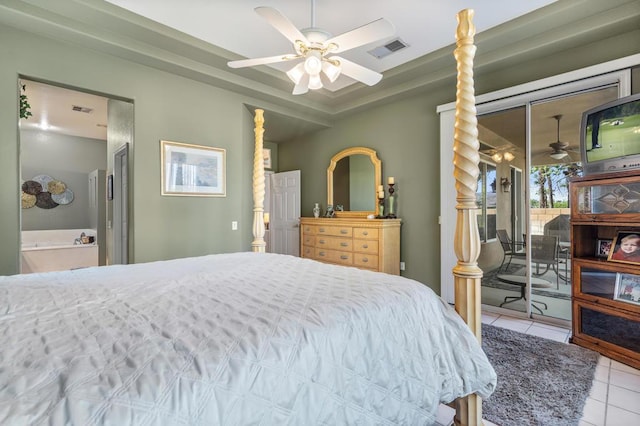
614 399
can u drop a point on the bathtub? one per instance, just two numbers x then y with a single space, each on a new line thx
57 250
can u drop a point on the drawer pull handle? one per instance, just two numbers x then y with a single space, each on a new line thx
321 230
343 244
321 253
365 246
365 260
343 231
322 242
365 233
344 257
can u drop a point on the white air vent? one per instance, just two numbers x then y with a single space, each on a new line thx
389 48
77 108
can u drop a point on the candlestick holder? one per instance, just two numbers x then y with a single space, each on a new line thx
391 214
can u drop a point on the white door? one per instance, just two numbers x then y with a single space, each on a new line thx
284 227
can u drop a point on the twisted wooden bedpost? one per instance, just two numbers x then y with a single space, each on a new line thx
466 273
258 244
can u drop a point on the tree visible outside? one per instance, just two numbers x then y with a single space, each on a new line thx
549 185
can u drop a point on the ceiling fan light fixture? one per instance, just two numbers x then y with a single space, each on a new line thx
558 155
497 157
331 70
508 156
314 82
296 73
313 63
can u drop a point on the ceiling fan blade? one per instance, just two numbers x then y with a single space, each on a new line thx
358 72
281 23
373 31
241 63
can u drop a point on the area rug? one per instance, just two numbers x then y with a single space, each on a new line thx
541 382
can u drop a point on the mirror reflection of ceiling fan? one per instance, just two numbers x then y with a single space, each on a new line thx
315 51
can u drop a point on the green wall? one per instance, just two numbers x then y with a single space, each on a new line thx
165 107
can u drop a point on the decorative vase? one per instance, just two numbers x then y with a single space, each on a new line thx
316 211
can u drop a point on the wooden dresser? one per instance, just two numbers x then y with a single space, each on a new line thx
364 243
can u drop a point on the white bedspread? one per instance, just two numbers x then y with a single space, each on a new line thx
233 339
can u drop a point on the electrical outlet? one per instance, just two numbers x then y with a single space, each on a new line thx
402 266
234 226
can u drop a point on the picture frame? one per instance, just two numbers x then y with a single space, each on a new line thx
625 248
266 156
192 170
627 288
603 247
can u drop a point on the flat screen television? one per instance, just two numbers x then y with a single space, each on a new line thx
610 136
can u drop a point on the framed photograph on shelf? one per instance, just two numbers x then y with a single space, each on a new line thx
266 156
192 170
603 247
627 288
626 248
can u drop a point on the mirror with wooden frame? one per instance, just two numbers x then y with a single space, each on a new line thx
353 177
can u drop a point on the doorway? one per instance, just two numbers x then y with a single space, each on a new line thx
65 141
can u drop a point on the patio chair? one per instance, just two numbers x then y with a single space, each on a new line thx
545 250
510 248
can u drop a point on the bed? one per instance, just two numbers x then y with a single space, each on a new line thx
231 339
249 338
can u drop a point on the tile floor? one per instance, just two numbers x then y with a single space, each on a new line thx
614 399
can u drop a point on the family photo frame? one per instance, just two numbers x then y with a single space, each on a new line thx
627 288
603 247
192 170
625 248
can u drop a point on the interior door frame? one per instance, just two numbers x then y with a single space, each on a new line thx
121 205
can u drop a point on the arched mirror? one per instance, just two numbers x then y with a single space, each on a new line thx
352 179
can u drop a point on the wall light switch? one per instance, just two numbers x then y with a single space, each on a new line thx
234 226
402 266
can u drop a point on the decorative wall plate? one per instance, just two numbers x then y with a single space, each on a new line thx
64 198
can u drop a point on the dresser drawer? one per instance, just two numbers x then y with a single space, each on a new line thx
335 256
338 231
365 246
309 240
365 261
333 243
309 229
365 233
309 252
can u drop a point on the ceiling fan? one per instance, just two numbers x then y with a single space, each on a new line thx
315 51
559 148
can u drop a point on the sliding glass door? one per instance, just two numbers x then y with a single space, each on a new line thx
526 251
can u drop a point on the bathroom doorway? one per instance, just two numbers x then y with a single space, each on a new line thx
65 152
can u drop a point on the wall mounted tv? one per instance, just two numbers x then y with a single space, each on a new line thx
610 136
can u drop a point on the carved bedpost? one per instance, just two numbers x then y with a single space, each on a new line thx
466 273
258 244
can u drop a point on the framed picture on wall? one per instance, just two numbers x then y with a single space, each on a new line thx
266 155
192 170
603 247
